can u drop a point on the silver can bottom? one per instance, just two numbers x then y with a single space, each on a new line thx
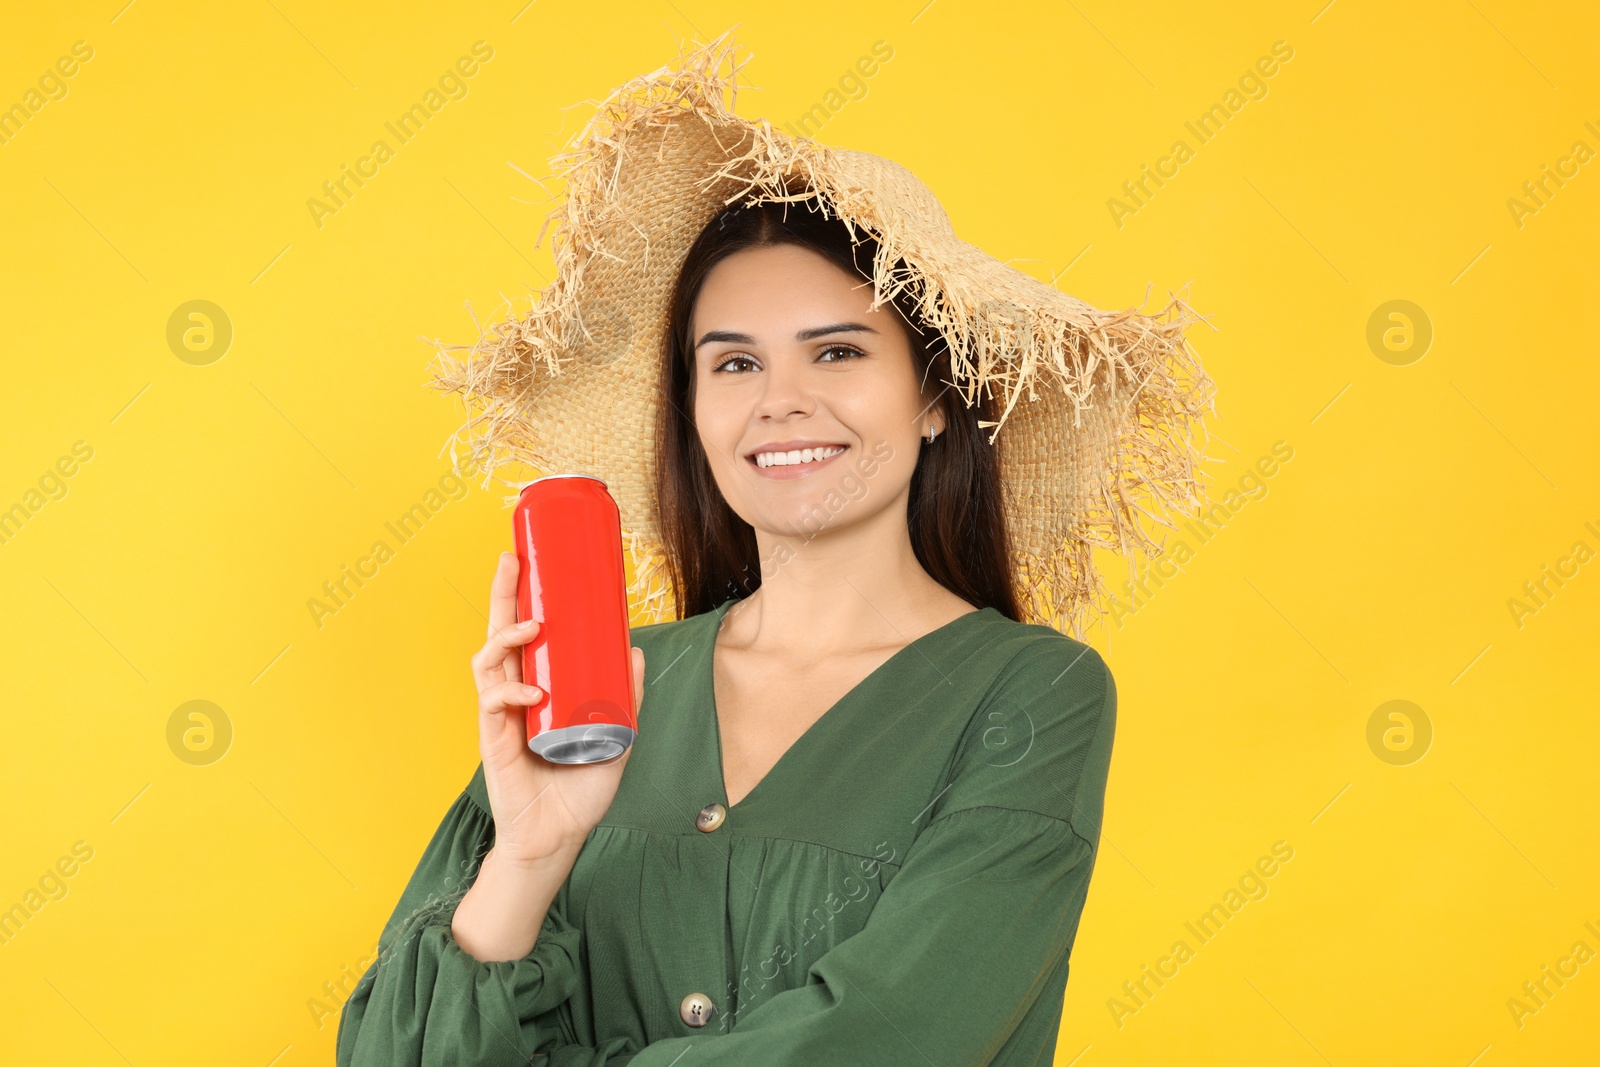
594 743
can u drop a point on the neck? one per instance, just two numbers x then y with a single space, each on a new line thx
842 590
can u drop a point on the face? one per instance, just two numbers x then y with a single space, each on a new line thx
788 358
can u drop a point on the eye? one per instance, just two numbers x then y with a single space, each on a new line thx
731 359
851 353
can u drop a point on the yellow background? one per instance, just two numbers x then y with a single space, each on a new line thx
1378 566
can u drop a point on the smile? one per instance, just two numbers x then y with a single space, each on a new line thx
796 463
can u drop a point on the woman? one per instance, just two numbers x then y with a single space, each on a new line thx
860 818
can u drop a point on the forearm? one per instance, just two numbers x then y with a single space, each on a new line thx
500 916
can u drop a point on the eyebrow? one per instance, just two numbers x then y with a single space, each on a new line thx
803 335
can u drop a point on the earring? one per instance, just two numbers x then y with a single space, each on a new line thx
931 435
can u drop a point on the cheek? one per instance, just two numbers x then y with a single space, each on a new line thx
720 424
881 413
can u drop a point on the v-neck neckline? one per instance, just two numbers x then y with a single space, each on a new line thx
714 619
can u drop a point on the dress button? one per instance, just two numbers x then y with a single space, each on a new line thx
696 1009
710 817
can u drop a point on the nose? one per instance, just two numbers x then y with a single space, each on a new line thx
785 389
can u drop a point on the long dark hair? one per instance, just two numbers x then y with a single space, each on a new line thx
954 514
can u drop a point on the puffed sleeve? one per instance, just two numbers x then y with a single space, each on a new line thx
967 948
426 1002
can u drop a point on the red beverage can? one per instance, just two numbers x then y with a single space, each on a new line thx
568 537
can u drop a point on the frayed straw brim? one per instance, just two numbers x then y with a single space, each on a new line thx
1097 409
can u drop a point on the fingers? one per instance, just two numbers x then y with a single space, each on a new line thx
496 661
638 679
503 593
508 696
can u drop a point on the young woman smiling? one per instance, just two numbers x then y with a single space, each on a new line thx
861 815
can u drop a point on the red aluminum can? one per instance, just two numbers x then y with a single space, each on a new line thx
568 537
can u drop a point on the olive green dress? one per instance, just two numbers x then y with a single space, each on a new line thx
903 887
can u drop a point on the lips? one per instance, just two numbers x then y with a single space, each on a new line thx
795 463
796 444
795 457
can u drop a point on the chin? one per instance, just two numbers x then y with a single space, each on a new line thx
828 513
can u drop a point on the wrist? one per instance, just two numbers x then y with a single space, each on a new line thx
519 861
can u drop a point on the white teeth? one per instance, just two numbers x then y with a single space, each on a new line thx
799 455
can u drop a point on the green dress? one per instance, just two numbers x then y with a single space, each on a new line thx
903 887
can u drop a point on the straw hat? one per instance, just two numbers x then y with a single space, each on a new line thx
1096 409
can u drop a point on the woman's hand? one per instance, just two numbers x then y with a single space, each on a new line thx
540 808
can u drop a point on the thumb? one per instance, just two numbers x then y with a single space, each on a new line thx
638 679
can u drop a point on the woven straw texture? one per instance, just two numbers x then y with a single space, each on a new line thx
1098 412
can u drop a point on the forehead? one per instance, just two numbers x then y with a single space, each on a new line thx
780 283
